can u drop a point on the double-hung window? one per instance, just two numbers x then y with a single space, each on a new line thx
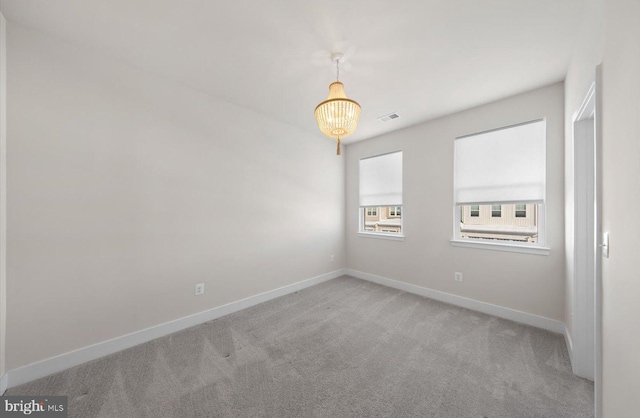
381 195
500 188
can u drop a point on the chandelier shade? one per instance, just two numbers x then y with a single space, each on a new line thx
337 116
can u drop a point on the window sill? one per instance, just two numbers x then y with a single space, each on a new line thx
381 235
494 246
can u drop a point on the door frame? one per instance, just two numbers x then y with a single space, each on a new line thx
600 252
587 286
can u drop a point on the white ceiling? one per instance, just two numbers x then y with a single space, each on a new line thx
420 58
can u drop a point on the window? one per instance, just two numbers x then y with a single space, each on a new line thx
500 186
381 195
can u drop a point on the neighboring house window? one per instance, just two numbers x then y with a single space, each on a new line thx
502 165
381 194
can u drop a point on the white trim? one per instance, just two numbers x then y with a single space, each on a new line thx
64 361
588 107
597 383
475 305
585 236
498 246
381 235
4 383
569 343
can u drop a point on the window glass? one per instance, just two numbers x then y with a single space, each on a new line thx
387 219
509 226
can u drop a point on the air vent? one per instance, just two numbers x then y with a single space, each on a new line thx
390 116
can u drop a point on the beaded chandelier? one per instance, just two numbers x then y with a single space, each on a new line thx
338 115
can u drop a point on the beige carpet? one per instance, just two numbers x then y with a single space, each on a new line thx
345 348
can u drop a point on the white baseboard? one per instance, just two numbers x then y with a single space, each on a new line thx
4 383
569 342
64 361
475 305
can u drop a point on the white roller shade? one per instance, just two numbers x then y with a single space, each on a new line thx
381 180
507 165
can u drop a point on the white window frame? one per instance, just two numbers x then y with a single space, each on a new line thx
381 235
538 248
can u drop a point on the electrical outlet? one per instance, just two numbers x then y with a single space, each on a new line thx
199 289
457 276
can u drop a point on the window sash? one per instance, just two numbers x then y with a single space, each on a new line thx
540 222
386 225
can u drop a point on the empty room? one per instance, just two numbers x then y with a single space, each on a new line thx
320 209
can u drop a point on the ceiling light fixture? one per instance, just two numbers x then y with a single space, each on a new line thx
337 116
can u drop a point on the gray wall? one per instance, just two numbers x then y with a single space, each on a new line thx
621 191
610 35
586 56
126 189
525 282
